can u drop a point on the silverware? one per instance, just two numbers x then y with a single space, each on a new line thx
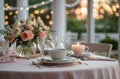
36 64
82 62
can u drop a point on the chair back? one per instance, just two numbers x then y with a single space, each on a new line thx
100 48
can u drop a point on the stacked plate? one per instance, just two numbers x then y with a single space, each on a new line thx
66 60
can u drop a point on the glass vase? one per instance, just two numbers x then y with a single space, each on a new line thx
25 51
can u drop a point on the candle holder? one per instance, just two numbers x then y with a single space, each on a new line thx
79 48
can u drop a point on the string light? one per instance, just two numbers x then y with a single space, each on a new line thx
10 13
27 8
6 17
43 3
42 11
6 4
16 12
7 7
117 14
21 8
51 12
6 23
35 6
47 17
36 11
51 22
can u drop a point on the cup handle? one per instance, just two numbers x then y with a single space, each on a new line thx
86 48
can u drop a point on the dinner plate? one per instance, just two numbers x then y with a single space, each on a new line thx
67 60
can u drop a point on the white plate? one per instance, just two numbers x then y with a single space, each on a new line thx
84 54
67 60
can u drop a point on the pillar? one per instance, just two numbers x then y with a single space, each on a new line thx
59 18
90 23
23 13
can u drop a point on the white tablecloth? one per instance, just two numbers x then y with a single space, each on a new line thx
23 69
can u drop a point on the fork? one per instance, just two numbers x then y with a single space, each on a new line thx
36 64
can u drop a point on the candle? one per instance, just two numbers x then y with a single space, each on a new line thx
78 48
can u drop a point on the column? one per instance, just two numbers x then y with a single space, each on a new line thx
119 33
23 13
1 18
59 18
90 23
1 14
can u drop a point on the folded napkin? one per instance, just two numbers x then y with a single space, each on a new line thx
98 57
8 59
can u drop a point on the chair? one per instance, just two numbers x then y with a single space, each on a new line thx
101 48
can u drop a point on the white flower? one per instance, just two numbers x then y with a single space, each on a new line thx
17 24
16 32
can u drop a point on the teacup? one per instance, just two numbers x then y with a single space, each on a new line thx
77 49
57 54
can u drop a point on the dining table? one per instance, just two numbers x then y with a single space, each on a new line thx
88 69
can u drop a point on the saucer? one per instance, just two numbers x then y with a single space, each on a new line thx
66 60
83 54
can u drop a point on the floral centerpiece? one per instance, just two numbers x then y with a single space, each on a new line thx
25 33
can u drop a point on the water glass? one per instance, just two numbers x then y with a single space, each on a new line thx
41 45
5 50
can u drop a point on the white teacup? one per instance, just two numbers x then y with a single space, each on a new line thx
57 54
77 49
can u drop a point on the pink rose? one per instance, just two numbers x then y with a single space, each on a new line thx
10 38
42 34
26 35
31 35
29 27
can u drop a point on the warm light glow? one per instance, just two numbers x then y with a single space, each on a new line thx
16 12
78 17
95 13
51 22
21 8
42 11
78 43
47 17
35 6
117 5
99 8
72 11
67 12
83 2
84 10
101 16
36 11
51 12
77 11
27 8
51 0
117 14
6 4
7 7
114 8
6 23
102 11
43 3
110 13
32 15
107 8
6 17
10 13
